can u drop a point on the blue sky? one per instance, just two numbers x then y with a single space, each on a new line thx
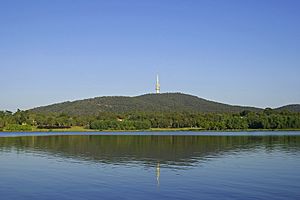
237 52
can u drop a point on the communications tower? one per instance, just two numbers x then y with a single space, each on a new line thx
157 85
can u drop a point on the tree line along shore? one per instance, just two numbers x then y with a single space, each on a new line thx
267 119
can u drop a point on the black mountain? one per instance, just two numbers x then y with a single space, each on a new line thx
167 102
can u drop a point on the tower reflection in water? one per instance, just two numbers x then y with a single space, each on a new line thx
158 174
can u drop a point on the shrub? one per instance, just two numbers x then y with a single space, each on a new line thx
17 127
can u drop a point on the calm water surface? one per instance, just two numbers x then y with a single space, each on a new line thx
222 166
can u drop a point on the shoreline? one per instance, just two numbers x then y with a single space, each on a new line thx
81 129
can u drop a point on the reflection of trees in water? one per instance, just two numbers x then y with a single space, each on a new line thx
172 150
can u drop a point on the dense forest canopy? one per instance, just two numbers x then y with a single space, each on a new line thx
267 119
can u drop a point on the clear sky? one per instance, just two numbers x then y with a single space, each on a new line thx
238 52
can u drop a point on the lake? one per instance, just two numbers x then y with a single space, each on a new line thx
178 165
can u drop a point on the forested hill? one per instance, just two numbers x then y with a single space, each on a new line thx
167 102
290 108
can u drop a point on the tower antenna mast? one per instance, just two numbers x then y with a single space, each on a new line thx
157 85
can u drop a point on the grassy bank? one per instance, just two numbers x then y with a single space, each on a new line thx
35 129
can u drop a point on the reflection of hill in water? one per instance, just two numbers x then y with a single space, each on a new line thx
174 150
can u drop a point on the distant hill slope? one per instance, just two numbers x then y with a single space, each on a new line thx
291 108
167 102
